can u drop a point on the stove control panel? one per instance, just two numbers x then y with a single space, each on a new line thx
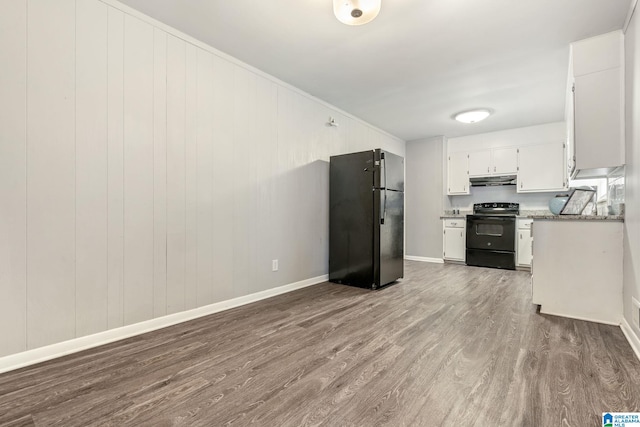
496 208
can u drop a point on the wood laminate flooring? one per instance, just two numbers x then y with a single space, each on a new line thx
449 345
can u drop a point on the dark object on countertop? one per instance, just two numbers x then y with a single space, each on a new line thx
578 200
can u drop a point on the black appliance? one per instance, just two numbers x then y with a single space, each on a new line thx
366 218
489 181
491 235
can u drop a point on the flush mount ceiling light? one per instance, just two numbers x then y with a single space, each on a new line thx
472 116
356 12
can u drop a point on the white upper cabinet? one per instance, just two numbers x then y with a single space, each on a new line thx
541 168
480 163
497 161
458 173
504 161
595 105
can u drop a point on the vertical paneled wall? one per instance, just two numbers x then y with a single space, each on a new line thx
13 177
91 160
143 175
51 172
115 168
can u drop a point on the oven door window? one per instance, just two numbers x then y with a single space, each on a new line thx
495 234
489 229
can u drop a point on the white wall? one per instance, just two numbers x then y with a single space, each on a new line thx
631 260
143 173
424 197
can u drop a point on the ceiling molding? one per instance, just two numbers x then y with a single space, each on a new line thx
632 9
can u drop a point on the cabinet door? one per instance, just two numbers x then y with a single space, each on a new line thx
454 244
541 168
524 248
458 172
504 161
479 163
598 123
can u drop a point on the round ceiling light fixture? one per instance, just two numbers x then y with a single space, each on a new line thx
356 12
472 116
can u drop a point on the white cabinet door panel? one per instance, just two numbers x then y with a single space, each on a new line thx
598 128
504 161
454 244
541 168
480 163
524 248
458 173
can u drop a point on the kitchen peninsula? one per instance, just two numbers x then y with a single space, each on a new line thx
577 266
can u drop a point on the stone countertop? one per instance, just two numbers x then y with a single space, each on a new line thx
451 215
533 213
579 217
523 214
542 214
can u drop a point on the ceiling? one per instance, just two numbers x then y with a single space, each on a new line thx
417 63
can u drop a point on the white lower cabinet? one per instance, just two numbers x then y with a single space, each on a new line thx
524 244
454 241
578 269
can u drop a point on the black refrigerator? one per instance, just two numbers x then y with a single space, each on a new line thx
366 218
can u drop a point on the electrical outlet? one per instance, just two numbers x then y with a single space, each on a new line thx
274 265
636 312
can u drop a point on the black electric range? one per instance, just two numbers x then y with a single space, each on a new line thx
491 235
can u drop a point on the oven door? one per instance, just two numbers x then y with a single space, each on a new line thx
494 233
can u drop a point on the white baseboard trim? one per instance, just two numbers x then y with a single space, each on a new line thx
42 354
423 259
586 319
631 336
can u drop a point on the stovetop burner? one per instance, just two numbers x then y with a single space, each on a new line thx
496 208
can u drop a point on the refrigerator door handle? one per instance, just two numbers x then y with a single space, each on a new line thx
384 207
384 170
384 174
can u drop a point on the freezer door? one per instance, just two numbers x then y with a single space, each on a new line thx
351 219
391 237
391 175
